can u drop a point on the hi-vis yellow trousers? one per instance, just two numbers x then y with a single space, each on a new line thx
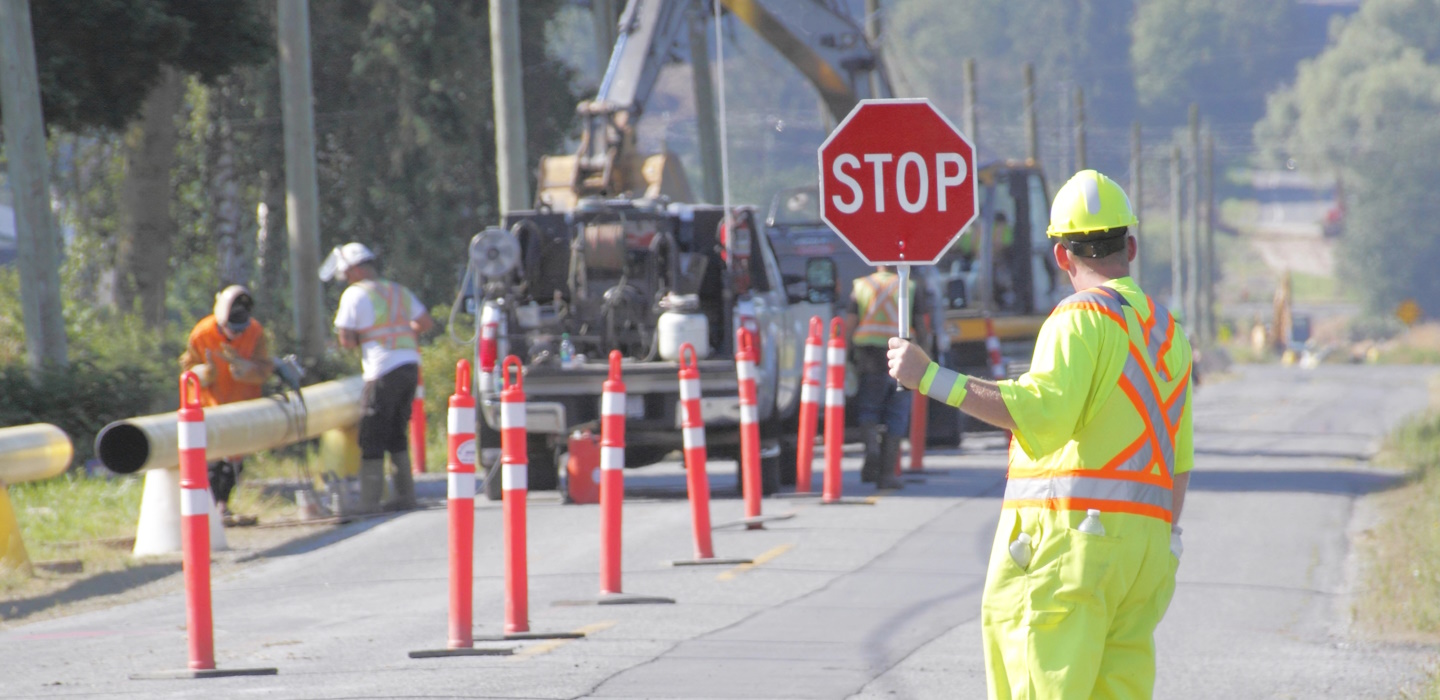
1079 622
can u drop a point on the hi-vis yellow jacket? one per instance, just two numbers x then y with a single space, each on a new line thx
1103 417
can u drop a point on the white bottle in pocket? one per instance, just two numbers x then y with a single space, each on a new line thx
1091 525
1020 551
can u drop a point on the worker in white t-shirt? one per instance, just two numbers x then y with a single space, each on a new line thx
384 319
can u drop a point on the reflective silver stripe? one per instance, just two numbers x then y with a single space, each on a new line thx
689 389
835 356
1139 379
749 414
514 476
461 420
1163 322
1177 409
612 404
612 458
195 502
1093 296
462 484
512 415
835 397
191 434
942 384
745 370
694 437
419 391
1088 487
809 393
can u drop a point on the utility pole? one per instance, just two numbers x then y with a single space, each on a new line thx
29 175
1137 270
972 127
1192 238
706 119
302 195
1080 129
1032 137
606 29
1177 242
1210 272
509 106
872 35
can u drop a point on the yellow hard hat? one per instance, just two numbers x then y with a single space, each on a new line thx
1088 203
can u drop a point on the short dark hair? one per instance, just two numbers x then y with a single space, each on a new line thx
1096 245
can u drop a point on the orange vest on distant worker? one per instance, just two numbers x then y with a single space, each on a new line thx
225 388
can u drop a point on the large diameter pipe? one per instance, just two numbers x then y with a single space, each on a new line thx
33 453
151 442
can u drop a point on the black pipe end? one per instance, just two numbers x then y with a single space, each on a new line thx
122 448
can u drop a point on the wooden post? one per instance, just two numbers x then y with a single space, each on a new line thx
510 137
1194 320
36 237
1137 199
1080 129
972 127
705 117
302 194
1177 241
1032 135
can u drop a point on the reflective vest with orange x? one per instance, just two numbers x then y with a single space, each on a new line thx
391 304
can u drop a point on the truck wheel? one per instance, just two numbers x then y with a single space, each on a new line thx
770 467
788 449
491 472
644 456
544 471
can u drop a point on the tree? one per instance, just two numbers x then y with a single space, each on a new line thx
1365 109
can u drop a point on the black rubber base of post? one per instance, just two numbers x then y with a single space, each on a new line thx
755 523
713 561
529 636
618 599
848 502
798 494
464 651
194 673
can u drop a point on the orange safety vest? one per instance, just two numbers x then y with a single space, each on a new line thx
879 308
390 302
1139 476
224 387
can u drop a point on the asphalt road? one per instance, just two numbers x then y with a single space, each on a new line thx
869 601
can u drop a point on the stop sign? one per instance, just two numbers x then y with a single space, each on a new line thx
897 182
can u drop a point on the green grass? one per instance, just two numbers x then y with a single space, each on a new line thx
69 517
1402 593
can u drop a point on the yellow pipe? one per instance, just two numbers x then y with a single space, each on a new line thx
151 442
27 453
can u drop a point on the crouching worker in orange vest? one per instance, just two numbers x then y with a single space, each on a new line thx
1083 565
229 354
383 319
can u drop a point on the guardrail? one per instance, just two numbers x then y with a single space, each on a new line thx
27 453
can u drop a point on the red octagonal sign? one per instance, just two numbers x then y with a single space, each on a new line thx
897 182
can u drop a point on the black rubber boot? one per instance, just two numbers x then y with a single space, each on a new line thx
872 433
889 452
372 484
404 483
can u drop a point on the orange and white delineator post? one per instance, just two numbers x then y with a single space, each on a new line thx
417 426
749 426
919 429
515 489
834 411
810 390
992 347
195 523
460 474
488 345
612 475
697 482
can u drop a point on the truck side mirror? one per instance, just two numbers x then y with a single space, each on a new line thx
820 276
955 293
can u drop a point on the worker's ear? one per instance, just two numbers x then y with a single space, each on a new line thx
1132 248
1063 259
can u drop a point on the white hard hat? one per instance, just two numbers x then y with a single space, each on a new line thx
343 258
233 306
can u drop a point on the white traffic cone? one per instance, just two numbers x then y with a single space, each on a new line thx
158 531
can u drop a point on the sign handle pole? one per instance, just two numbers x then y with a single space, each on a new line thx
904 301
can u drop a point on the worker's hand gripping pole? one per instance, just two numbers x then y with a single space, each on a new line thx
697 482
612 475
834 411
195 512
749 427
515 489
810 389
904 295
460 475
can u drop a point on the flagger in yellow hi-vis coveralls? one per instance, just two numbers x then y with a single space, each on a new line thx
1084 560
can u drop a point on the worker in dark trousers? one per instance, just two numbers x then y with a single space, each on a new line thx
882 407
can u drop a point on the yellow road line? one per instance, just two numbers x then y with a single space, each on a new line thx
757 561
553 644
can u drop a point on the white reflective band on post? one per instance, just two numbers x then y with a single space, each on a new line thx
809 393
612 458
689 389
834 397
694 437
612 404
462 484
813 354
192 435
419 391
514 476
461 421
992 343
748 414
512 415
745 370
835 356
487 382
195 502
